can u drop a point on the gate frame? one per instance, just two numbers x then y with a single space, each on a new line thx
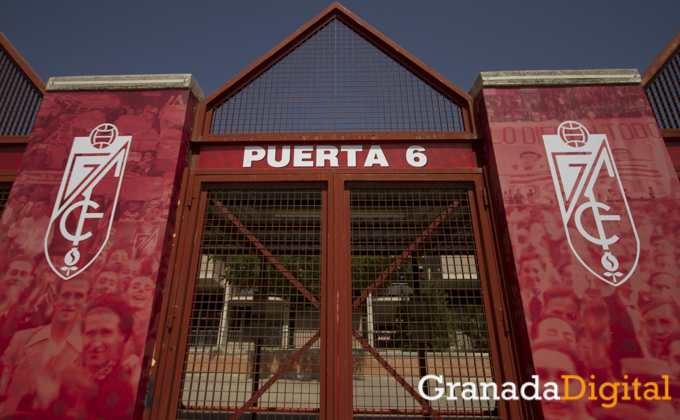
171 350
336 397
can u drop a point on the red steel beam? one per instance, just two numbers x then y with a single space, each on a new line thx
248 406
392 371
405 254
267 254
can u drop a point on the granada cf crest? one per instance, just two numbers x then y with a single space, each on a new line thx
94 174
593 203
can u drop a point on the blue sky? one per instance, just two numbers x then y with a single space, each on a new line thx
215 40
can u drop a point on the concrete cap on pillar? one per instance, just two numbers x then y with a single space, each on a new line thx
126 82
536 78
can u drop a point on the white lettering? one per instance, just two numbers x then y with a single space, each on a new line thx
326 153
555 394
252 154
470 393
534 385
485 387
302 157
511 390
285 157
415 158
440 391
452 393
376 156
351 154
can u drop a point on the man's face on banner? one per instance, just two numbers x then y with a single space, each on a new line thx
102 337
70 300
15 280
662 284
621 155
39 209
131 269
556 329
117 259
660 322
529 159
148 157
562 307
140 292
106 283
153 209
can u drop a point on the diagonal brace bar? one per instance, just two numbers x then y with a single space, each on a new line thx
392 371
405 254
276 376
267 254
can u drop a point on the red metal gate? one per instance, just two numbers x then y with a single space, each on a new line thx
417 299
330 298
253 344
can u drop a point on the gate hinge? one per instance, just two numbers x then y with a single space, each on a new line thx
506 327
190 200
171 318
485 197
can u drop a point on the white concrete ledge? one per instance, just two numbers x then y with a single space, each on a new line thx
126 82
494 79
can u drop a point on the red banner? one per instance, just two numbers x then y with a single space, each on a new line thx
82 241
398 155
590 207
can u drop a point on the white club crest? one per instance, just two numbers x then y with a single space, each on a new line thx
586 179
96 165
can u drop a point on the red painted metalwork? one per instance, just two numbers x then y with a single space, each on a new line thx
254 324
420 308
267 254
20 93
249 404
407 252
356 26
210 232
439 154
354 88
337 362
664 95
392 371
661 81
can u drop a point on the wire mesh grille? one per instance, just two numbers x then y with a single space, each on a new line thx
254 342
336 81
19 100
418 302
5 188
664 95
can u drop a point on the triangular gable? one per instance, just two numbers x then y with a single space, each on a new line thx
662 83
329 77
20 92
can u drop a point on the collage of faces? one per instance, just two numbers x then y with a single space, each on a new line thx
73 349
578 324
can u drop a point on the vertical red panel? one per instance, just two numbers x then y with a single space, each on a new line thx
596 270
79 345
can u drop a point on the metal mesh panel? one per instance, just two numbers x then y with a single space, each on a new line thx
418 302
5 188
664 95
336 81
254 347
19 100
